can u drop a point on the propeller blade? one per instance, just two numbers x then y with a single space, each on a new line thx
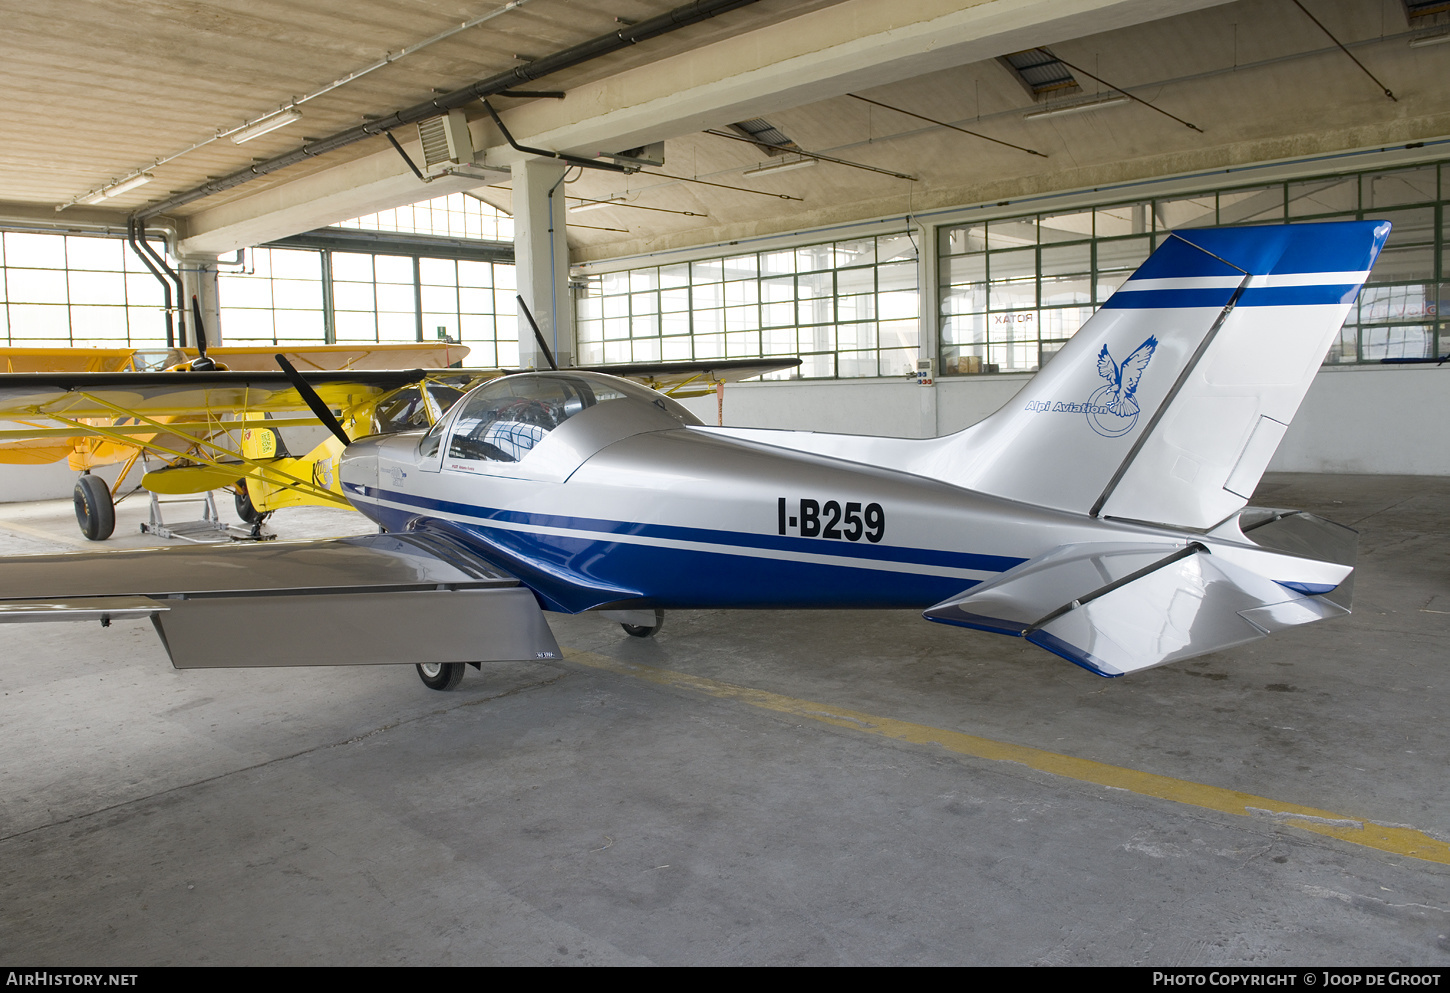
201 363
538 335
314 402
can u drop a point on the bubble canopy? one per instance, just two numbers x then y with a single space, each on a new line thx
506 419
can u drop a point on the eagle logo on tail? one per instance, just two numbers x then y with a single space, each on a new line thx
1119 395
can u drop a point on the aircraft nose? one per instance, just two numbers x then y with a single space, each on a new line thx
359 468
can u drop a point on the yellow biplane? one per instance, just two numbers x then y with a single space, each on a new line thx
216 428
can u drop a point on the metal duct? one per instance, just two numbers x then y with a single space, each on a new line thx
654 27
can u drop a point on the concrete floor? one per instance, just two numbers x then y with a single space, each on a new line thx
747 788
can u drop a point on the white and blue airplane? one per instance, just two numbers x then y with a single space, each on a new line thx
1101 514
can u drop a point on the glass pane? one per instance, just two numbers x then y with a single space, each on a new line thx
1345 347
1261 206
1012 233
890 247
394 269
897 276
1193 212
1075 226
963 269
742 291
1324 196
97 287
705 271
1012 265
1020 326
741 267
813 258
1127 253
1067 261
856 308
1067 289
1416 262
856 335
1405 342
1396 303
1388 189
1126 219
96 253
1015 294
961 239
855 281
438 272
855 253
34 251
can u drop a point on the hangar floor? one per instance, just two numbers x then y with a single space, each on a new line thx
763 788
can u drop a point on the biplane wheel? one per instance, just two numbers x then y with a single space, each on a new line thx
95 511
441 675
645 630
245 508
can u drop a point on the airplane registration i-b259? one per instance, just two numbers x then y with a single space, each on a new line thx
1100 514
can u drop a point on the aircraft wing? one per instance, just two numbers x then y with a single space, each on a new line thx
367 600
687 379
1117 607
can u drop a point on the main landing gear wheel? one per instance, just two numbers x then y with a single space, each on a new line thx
95 511
441 675
245 509
645 630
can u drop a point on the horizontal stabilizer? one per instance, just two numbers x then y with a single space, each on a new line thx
1115 608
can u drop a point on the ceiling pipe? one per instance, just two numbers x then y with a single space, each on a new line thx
626 36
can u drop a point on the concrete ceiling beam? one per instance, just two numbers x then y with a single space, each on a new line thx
857 44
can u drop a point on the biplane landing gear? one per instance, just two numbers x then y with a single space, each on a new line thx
645 630
441 675
95 511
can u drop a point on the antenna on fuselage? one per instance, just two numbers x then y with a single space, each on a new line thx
538 335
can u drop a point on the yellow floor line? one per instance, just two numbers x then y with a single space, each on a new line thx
1396 839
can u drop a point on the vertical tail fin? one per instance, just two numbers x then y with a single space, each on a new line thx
1168 404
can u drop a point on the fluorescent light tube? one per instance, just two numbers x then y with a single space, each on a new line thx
116 189
1075 108
265 125
1429 39
580 208
780 167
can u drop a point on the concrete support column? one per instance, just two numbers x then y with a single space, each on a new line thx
541 253
929 341
199 279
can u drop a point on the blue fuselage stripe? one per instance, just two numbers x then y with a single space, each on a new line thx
784 543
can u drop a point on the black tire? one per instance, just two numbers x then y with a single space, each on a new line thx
645 630
245 509
95 512
441 675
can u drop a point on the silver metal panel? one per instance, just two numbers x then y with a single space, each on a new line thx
477 625
1034 589
1187 608
381 561
103 609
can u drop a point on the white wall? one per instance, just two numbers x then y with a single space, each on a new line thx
1376 419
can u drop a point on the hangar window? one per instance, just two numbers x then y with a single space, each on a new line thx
1013 290
65 290
428 271
847 308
